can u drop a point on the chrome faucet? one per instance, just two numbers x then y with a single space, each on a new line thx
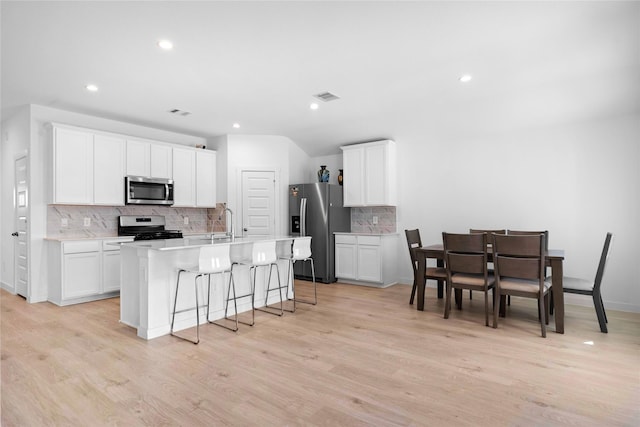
232 233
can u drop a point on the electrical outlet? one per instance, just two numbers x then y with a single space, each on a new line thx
375 220
87 221
186 220
64 222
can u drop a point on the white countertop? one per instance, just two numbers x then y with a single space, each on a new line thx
364 234
195 242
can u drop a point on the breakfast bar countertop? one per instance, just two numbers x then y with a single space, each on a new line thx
196 241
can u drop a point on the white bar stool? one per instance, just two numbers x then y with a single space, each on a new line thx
301 251
263 254
213 259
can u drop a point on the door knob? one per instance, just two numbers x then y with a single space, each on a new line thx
14 234
244 229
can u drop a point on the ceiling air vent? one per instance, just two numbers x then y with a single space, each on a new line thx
326 96
179 112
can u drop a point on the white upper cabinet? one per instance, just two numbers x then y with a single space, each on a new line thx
138 158
205 178
108 170
184 177
89 167
161 164
72 166
370 174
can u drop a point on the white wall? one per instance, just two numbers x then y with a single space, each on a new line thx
577 181
15 143
262 152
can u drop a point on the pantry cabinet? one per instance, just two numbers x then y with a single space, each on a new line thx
366 258
370 174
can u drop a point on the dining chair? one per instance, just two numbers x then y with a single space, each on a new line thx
530 233
466 265
574 285
489 242
430 273
519 262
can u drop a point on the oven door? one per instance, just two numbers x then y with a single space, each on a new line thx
148 191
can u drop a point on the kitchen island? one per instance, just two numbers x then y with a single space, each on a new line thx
149 270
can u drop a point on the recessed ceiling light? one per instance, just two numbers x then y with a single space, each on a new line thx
236 125
466 78
165 44
91 88
313 106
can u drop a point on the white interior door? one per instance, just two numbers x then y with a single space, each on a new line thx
258 203
21 236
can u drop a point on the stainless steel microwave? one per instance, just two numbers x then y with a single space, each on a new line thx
140 190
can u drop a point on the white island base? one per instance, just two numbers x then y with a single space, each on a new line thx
149 270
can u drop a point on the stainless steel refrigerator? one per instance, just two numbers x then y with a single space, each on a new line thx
317 210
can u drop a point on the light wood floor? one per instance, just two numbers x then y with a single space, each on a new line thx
363 356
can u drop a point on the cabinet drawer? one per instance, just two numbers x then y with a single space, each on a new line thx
108 246
369 240
79 247
343 238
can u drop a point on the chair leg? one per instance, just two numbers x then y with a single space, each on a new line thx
315 286
547 302
447 301
551 301
230 285
413 292
486 307
496 306
603 310
602 317
541 311
266 308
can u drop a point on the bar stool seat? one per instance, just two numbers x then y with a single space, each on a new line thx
213 259
301 251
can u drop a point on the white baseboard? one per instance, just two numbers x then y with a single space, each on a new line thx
7 287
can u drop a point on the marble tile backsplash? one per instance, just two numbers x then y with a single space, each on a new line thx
362 220
104 219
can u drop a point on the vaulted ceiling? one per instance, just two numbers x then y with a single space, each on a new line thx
395 65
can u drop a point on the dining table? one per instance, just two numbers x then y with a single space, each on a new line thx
553 258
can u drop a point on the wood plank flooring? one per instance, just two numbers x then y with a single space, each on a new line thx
361 357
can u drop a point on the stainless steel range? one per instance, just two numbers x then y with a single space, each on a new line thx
145 227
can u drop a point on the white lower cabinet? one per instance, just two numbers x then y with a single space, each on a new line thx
84 270
366 259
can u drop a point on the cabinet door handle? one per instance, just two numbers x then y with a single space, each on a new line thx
14 234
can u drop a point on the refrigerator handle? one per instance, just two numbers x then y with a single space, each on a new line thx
303 216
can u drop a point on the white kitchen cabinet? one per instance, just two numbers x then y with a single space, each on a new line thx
161 161
184 177
108 170
346 257
84 270
138 158
147 158
72 166
366 259
205 179
370 174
